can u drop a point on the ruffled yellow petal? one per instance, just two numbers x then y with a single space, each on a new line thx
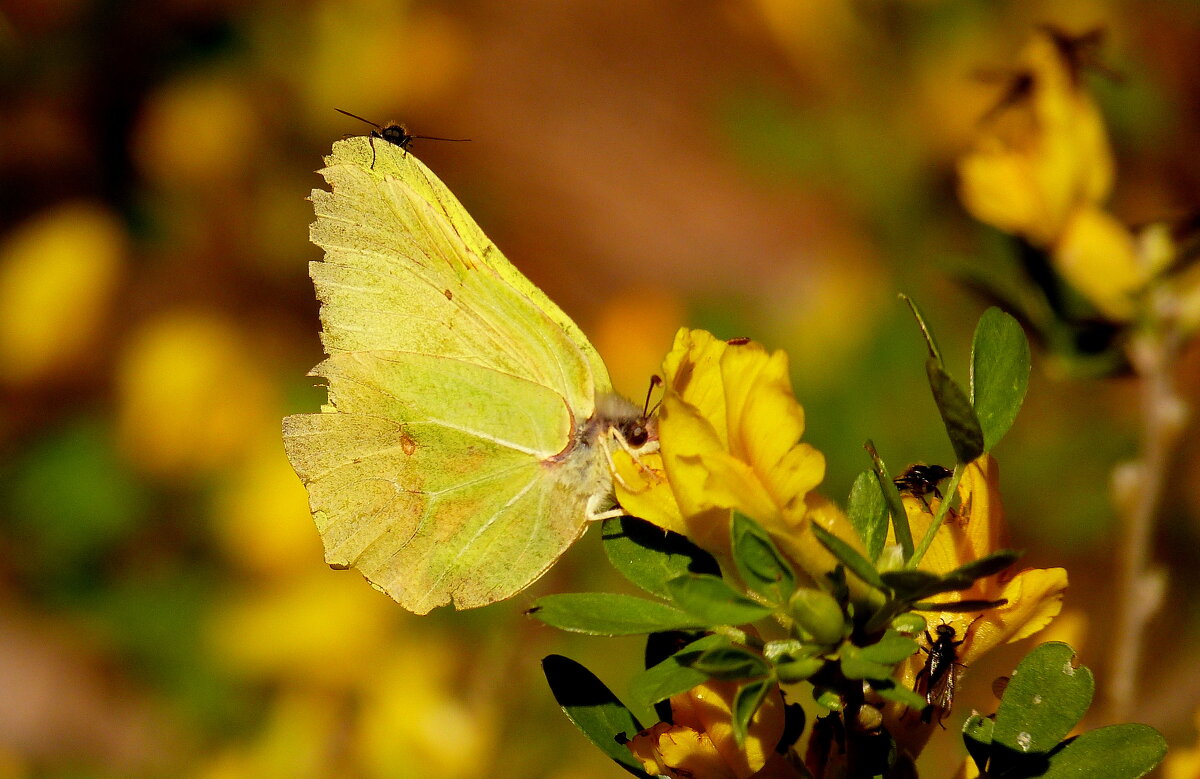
1098 256
678 751
642 489
802 547
728 429
707 708
1034 598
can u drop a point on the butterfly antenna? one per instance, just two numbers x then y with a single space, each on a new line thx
435 138
655 381
359 118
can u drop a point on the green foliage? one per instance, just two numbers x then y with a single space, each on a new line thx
673 675
868 513
592 707
849 557
747 700
650 557
731 662
958 415
1046 697
609 614
818 614
891 497
714 601
876 661
759 563
1000 367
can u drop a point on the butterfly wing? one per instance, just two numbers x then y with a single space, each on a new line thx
453 383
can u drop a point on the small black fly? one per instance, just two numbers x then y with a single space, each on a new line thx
921 480
936 681
395 134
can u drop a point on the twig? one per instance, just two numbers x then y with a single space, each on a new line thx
1138 489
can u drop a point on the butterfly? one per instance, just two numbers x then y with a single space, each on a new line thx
470 427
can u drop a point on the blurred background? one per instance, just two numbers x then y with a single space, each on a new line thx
778 169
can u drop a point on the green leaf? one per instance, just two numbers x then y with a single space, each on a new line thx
962 426
999 373
1114 752
868 513
986 566
747 700
793 671
1046 696
732 662
977 735
926 333
909 624
889 690
891 496
959 606
650 557
827 698
593 709
890 649
911 583
673 675
855 666
759 562
608 614
848 556
712 600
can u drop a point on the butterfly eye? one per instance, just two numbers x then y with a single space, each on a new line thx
637 435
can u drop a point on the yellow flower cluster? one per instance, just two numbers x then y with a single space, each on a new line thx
1042 169
729 429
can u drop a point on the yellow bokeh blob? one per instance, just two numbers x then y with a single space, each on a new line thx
326 629
200 130
58 274
371 57
416 722
191 395
262 517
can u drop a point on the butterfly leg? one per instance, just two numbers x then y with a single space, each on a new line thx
593 512
634 455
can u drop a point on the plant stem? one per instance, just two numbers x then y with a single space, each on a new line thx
1138 490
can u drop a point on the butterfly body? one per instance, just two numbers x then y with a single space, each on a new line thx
470 423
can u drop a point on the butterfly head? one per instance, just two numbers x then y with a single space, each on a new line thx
635 428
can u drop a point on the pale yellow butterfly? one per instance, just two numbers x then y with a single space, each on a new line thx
468 436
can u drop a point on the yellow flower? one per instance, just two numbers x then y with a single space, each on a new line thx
1042 155
1033 596
1042 167
701 742
729 427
